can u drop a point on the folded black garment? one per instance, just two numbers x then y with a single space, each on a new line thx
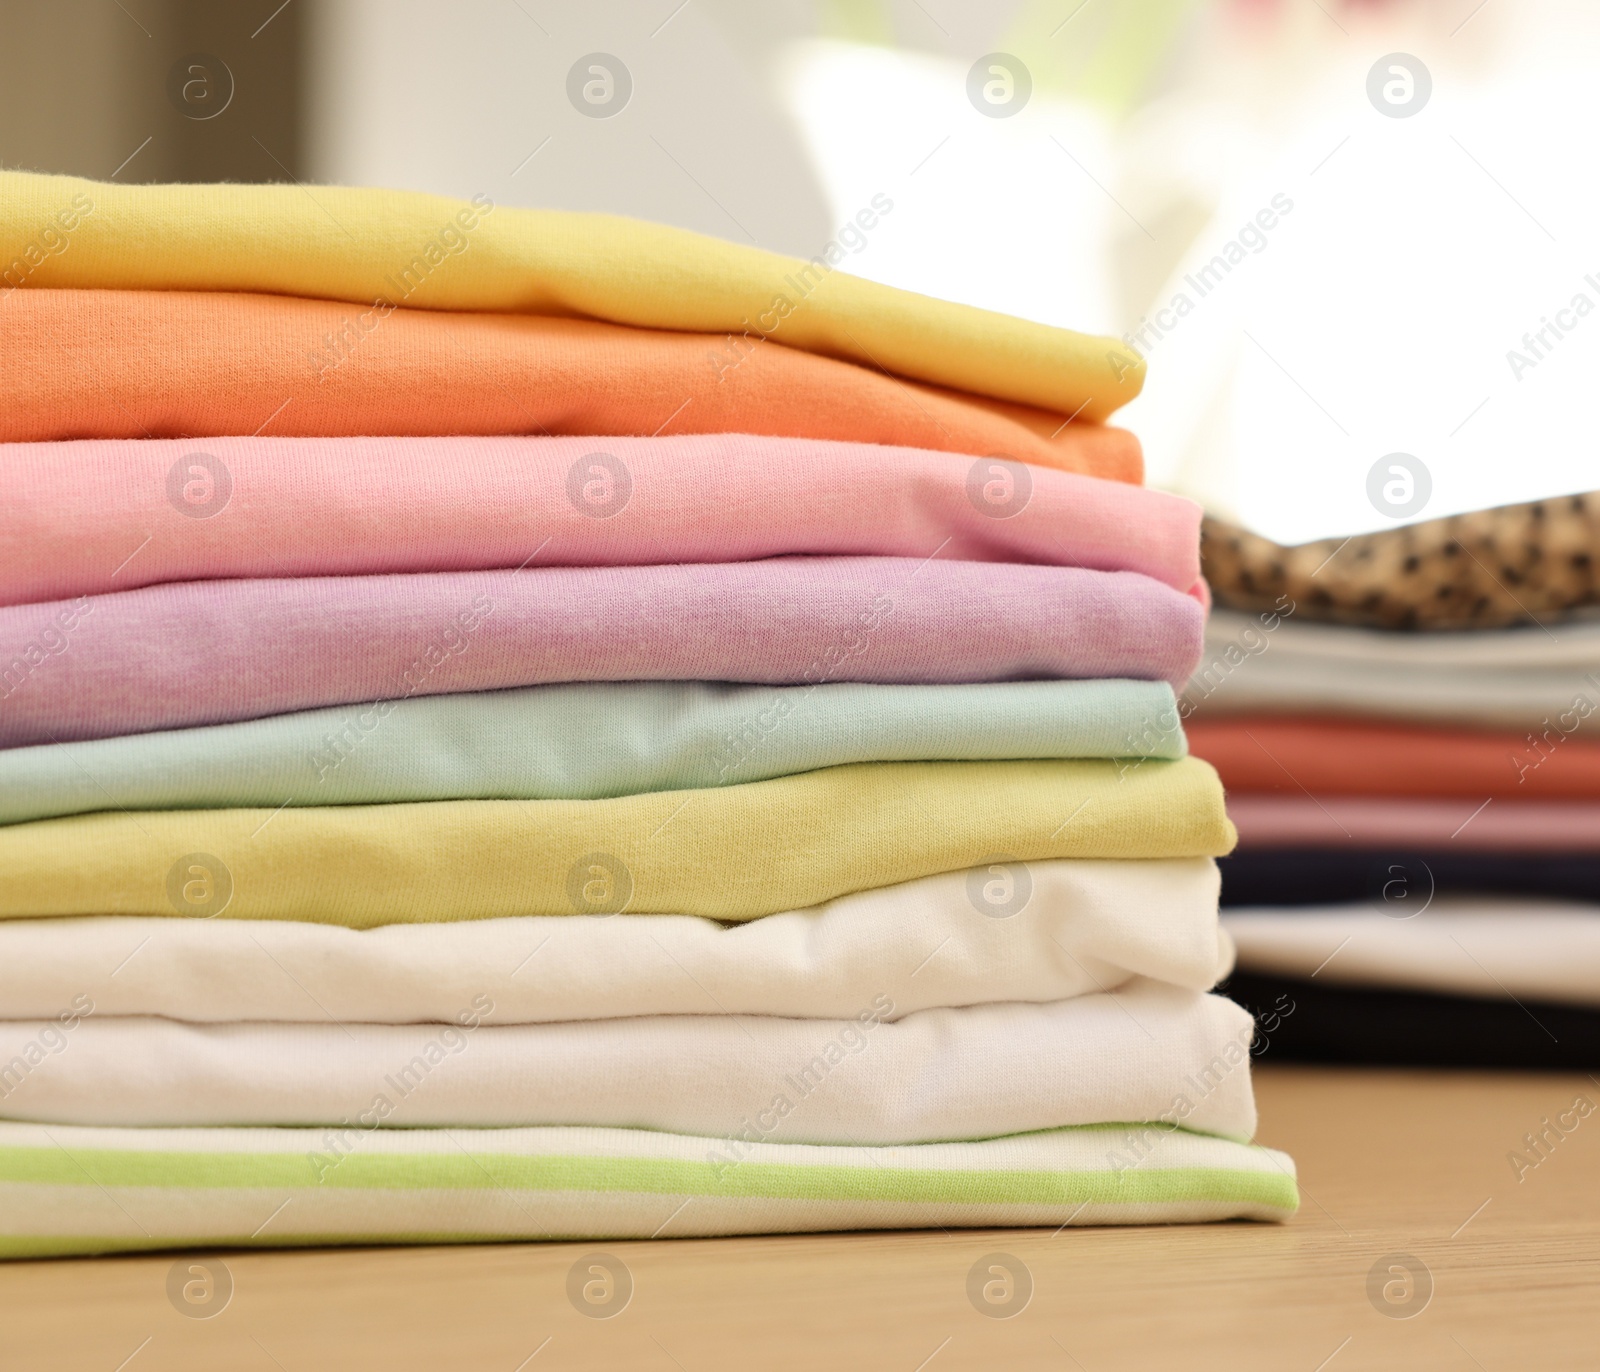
1306 1021
1401 881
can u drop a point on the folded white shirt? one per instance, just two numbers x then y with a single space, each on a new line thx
1496 948
1085 927
1496 677
1146 1052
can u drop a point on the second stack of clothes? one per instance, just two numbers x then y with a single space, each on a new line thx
1408 725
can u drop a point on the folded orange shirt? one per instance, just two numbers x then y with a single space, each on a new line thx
178 364
1330 757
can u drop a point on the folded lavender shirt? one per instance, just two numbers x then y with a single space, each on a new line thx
206 652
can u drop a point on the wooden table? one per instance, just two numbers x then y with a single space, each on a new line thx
1392 1163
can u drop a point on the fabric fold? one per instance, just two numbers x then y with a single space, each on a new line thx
1521 679
1538 950
733 853
207 652
1455 573
1347 757
584 741
1144 1052
1511 826
1372 1027
1387 874
940 941
85 518
161 364
401 247
70 1190
146 365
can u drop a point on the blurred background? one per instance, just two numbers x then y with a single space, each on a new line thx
1382 256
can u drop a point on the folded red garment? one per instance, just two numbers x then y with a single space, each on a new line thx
1337 757
176 364
1394 825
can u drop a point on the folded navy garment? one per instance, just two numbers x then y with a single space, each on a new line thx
1401 882
1306 1021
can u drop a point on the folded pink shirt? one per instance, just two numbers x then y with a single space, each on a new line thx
206 652
112 515
1394 824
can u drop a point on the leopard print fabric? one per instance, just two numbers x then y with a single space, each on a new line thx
1518 564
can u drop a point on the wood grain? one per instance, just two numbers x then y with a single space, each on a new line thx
1391 1162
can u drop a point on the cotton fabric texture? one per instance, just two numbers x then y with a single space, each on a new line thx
207 652
86 518
75 1191
732 853
425 251
946 940
1510 679
1332 756
584 741
151 365
1510 949
933 1076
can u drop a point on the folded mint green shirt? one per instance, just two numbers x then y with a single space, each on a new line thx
583 742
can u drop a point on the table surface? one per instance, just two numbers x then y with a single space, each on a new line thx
1392 1164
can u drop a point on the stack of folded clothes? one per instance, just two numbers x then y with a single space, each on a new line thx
527 725
1416 783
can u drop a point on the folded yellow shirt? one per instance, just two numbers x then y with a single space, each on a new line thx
731 853
392 248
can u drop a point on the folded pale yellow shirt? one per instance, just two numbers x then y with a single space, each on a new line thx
395 248
731 853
